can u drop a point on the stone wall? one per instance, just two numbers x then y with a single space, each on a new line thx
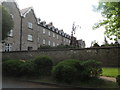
108 56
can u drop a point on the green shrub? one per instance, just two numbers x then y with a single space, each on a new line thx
64 73
118 80
11 67
27 68
67 71
92 68
43 65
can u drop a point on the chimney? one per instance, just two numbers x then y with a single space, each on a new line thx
51 24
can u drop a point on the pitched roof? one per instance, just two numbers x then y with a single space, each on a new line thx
25 11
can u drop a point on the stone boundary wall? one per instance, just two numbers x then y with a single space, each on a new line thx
109 56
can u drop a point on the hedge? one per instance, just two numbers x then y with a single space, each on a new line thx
11 67
43 65
69 71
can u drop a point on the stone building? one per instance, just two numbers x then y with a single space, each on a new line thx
29 29
29 32
81 43
13 40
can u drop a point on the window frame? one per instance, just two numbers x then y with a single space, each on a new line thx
30 25
30 37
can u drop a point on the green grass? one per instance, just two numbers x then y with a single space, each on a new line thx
111 72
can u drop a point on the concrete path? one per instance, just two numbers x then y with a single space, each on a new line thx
108 78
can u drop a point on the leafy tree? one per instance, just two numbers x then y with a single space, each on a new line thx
7 22
111 13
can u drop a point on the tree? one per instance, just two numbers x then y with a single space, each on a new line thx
94 44
7 22
111 12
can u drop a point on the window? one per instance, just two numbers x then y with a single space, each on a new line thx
57 37
30 25
49 33
53 44
12 16
57 44
43 41
53 34
49 43
10 33
43 31
64 39
30 38
69 41
8 47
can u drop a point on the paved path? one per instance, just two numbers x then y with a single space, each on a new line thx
10 83
108 78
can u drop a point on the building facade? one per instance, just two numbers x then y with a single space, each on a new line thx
13 40
29 32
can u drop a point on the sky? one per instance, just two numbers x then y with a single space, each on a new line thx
64 12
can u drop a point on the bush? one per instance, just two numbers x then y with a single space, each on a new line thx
67 71
118 80
92 68
43 65
27 68
11 67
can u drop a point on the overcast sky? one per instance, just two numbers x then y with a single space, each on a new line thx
64 12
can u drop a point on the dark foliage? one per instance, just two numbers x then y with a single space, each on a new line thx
43 65
11 67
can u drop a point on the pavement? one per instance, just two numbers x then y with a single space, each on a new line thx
12 83
108 78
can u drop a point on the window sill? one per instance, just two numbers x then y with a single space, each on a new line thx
30 40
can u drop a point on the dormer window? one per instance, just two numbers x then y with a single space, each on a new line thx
30 25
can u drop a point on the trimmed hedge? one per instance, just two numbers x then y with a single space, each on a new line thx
68 71
11 67
27 68
43 65
92 68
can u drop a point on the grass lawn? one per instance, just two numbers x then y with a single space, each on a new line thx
110 72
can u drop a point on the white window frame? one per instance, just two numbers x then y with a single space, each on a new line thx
43 31
44 41
57 37
53 34
69 41
49 33
30 25
53 44
10 33
8 47
30 37
57 44
49 43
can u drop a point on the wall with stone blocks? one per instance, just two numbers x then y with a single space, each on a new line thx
109 56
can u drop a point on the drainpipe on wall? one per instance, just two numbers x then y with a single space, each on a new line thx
21 34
